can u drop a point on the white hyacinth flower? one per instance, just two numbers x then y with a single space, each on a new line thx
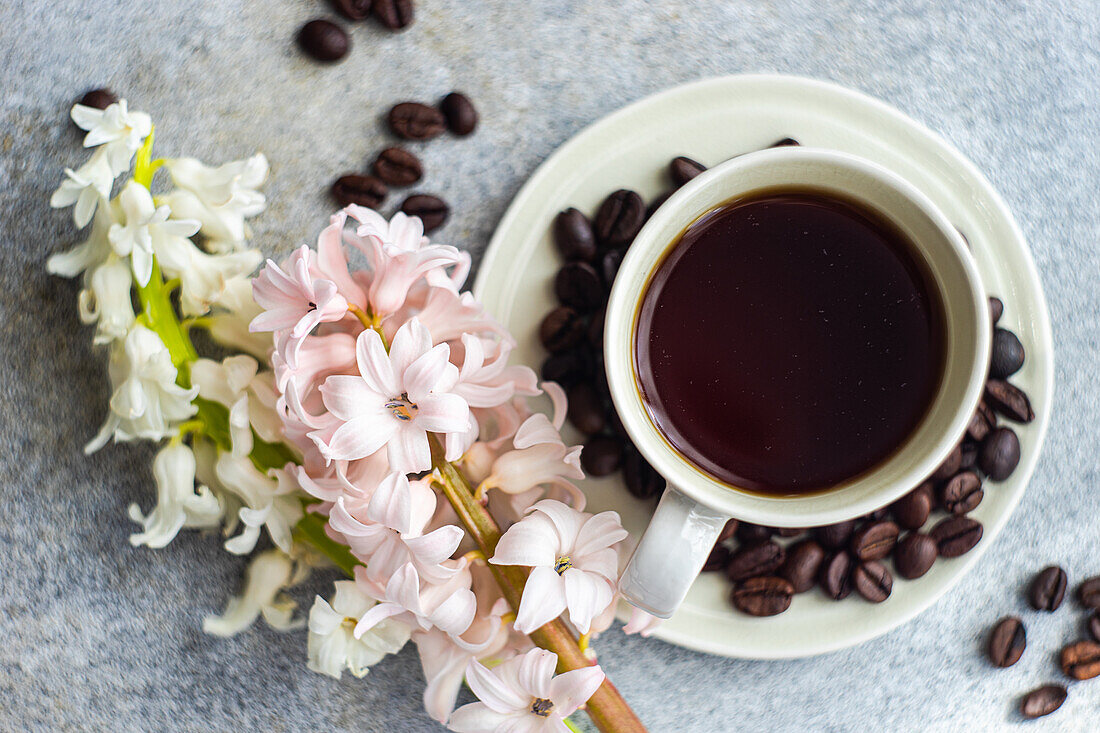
90 253
221 197
250 397
145 400
145 229
270 502
267 575
87 187
179 504
120 131
332 645
203 277
233 311
105 300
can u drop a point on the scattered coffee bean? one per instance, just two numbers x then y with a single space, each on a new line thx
979 426
915 555
912 510
835 536
594 332
765 596
1094 625
785 143
393 14
717 560
728 530
750 561
609 266
963 493
362 190
1008 354
1007 642
398 167
875 541
876 515
969 456
353 9
641 479
1088 593
1042 701
459 112
578 286
416 121
1000 454
601 455
996 309
873 581
1047 589
836 576
956 536
683 169
432 210
1081 660
752 533
802 565
657 203
619 218
950 465
568 368
586 408
561 329
98 98
1008 400
573 236
324 40
790 531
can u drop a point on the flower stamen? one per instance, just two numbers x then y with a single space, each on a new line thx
563 564
541 707
402 408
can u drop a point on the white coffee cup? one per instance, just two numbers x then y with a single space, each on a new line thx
696 505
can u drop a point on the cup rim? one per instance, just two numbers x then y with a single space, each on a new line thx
645 254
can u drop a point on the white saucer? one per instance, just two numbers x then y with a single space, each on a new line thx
711 121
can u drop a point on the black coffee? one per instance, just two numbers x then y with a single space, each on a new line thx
789 341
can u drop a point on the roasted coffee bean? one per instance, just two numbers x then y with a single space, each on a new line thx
324 40
752 533
609 266
1047 589
98 98
876 515
683 169
790 531
353 9
802 565
996 309
751 561
432 210
785 143
717 560
911 511
393 14
979 426
594 332
836 576
1007 642
416 121
728 530
601 455
875 541
969 456
1008 354
459 112
765 596
573 236
640 478
657 203
569 367
1008 400
1000 454
1042 701
1088 593
1094 625
835 536
950 465
1081 660
562 329
956 536
398 167
365 191
873 581
915 555
578 286
963 493
586 408
619 218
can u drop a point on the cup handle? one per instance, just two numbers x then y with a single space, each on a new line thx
671 553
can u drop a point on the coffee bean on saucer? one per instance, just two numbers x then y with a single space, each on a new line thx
764 596
562 329
836 576
717 560
1000 454
324 40
1008 354
915 555
1008 400
876 515
728 530
835 536
609 266
790 531
568 367
978 427
353 9
601 455
911 511
432 210
956 536
98 98
416 121
750 561
751 533
875 541
578 286
683 169
460 113
398 167
365 191
802 565
785 143
969 456
873 581
640 478
949 467
573 236
657 203
393 14
619 218
1094 625
1007 642
1088 593
586 408
996 309
1042 701
1081 660
1047 589
963 493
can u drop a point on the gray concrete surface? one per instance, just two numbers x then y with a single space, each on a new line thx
97 636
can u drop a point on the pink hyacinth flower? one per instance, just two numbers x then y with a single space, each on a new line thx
449 606
540 458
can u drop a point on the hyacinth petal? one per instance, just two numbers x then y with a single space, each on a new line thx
348 397
492 691
535 670
477 717
425 372
543 600
276 319
587 595
442 413
567 521
531 542
359 438
455 614
436 546
375 365
411 342
641 622
376 615
408 448
572 689
391 503
536 430
599 532
602 562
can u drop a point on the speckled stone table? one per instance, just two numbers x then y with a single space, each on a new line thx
95 635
